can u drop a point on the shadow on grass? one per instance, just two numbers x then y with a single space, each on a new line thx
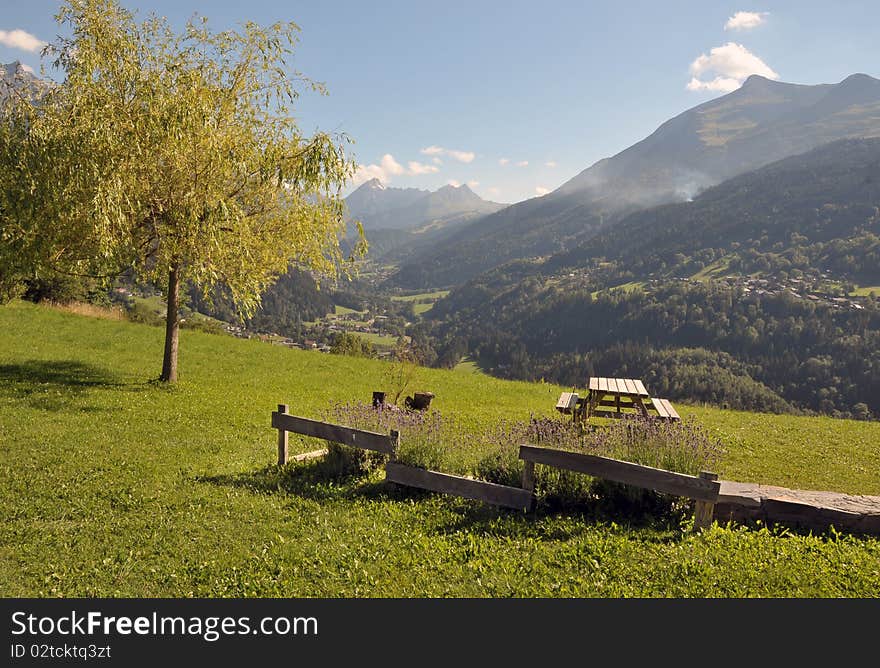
560 522
316 480
320 480
53 384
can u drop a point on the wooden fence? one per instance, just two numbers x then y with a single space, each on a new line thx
358 438
703 489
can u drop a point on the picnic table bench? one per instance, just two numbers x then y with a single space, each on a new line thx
627 396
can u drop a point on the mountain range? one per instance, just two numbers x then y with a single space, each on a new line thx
400 222
379 207
14 75
761 122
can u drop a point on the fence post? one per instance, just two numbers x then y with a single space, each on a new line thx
528 476
282 439
703 510
528 480
394 438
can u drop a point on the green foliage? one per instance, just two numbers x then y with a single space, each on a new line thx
817 210
345 461
174 154
58 288
630 300
348 343
293 299
400 374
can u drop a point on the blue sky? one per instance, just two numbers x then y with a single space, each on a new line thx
516 97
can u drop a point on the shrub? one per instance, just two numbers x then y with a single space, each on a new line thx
424 437
674 446
343 461
501 466
683 447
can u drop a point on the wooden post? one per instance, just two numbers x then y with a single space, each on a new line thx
528 476
282 439
394 437
528 481
703 510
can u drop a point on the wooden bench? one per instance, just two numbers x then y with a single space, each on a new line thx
664 409
567 402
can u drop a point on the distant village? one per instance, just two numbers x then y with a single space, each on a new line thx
319 336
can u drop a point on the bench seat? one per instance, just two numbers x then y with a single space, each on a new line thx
665 410
567 402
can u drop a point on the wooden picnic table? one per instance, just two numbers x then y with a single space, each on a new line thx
627 396
608 392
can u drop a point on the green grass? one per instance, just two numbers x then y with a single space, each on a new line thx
113 485
424 301
865 291
438 294
344 310
623 287
378 340
467 365
716 269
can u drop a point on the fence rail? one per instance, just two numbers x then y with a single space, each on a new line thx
669 482
336 433
444 483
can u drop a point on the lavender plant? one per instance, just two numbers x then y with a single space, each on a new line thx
425 436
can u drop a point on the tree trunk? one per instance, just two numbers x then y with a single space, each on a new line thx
172 327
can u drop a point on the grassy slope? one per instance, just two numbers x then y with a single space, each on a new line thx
112 485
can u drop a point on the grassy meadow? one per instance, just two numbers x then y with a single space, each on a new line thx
113 485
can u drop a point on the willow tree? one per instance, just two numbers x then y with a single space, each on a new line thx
173 154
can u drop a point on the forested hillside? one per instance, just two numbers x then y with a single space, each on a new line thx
712 342
820 210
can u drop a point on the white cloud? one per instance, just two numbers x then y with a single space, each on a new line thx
386 168
436 160
453 183
719 84
473 184
550 163
731 64
745 20
419 168
503 161
522 163
390 165
541 190
461 156
494 191
19 39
